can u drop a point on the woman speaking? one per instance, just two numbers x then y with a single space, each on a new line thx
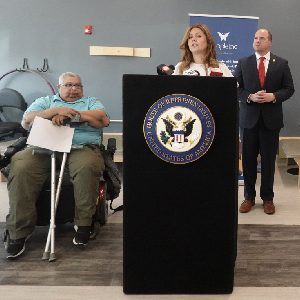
199 54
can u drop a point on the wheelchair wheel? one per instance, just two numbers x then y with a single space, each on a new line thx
103 205
95 229
5 238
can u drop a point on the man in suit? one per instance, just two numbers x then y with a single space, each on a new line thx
265 81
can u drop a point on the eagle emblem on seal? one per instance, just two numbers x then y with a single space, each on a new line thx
178 130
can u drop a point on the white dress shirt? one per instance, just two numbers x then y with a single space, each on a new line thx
266 60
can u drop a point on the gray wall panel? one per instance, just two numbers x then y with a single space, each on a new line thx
38 29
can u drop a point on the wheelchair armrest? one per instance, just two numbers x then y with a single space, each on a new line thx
15 147
111 146
79 124
76 122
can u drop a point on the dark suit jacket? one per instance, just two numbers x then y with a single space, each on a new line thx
278 81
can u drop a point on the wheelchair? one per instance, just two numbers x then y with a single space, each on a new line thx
109 188
11 99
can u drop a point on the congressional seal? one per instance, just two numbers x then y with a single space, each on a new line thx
179 128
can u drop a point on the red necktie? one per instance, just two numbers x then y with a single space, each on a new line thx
261 71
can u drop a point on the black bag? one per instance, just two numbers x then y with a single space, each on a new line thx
112 178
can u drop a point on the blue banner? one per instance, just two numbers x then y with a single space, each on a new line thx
233 36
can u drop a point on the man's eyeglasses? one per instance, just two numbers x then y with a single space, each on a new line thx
69 85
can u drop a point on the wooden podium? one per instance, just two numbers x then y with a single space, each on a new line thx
180 218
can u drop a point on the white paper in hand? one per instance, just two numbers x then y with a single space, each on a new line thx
46 135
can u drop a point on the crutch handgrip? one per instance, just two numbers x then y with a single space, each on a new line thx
42 152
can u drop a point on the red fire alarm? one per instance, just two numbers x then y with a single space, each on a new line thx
88 29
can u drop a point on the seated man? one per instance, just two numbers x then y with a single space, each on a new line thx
28 172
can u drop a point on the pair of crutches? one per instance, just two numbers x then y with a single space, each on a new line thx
49 252
55 191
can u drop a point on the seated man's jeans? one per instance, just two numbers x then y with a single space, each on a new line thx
27 176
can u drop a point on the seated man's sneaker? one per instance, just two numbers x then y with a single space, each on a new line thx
269 207
82 235
14 248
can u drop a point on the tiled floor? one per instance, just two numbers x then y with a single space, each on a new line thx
267 264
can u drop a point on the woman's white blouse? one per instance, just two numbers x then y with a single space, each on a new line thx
201 69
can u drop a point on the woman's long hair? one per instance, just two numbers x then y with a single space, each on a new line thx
210 59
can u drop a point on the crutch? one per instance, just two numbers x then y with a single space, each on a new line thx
50 255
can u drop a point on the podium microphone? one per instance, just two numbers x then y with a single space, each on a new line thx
165 70
215 72
191 73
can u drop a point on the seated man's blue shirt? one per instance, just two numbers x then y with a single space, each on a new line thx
84 135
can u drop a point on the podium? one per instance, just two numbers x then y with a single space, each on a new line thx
180 209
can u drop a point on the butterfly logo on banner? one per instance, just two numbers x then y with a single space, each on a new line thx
223 36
